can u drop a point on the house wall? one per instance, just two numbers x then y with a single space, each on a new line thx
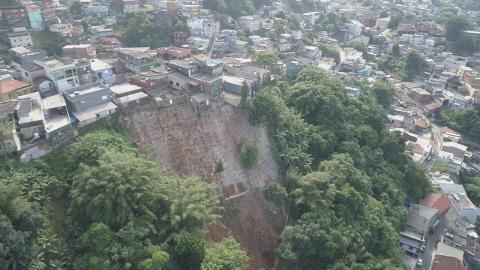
14 94
88 100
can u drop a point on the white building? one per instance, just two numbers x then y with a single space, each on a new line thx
250 23
20 38
61 72
201 27
63 29
100 11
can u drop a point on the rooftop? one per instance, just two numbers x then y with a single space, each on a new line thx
7 86
92 112
124 88
437 201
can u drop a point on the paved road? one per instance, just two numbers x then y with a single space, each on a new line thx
434 238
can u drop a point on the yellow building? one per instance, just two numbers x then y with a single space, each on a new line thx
11 89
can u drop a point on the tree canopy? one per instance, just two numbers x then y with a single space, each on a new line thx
119 210
346 176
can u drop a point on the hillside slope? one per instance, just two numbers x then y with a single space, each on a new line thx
187 144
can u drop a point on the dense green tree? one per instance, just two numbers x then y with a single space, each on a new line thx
119 188
225 255
265 59
244 95
49 41
396 50
275 193
415 64
157 259
464 45
142 32
189 250
76 8
455 26
384 92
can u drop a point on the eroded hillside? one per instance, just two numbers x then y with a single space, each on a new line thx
187 144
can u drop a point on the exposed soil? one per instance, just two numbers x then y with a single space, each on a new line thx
190 145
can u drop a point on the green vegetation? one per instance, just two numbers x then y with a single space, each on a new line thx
248 153
49 41
472 187
244 95
460 43
440 167
76 8
330 51
266 59
234 8
468 120
406 67
346 176
141 31
331 22
225 255
101 204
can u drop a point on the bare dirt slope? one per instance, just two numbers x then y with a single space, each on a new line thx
188 144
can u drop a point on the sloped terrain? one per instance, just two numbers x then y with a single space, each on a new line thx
188 144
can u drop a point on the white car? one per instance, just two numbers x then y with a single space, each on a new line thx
419 262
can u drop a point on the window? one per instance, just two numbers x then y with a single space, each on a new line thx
104 97
177 84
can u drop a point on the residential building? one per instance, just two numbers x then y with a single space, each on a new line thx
234 84
9 141
11 89
250 23
61 72
19 38
310 18
186 68
15 16
202 27
89 103
63 29
30 118
96 10
169 53
437 201
79 51
137 59
130 6
448 258
457 101
454 164
420 220
34 14
103 71
23 55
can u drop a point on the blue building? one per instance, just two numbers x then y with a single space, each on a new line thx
34 14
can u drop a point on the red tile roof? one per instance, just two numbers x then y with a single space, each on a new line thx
437 201
7 86
441 262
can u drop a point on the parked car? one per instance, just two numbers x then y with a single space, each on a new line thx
423 247
419 262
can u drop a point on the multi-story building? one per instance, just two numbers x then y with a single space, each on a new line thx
97 10
250 23
34 16
61 72
130 6
138 59
89 103
79 51
15 16
202 27
11 89
19 38
63 29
